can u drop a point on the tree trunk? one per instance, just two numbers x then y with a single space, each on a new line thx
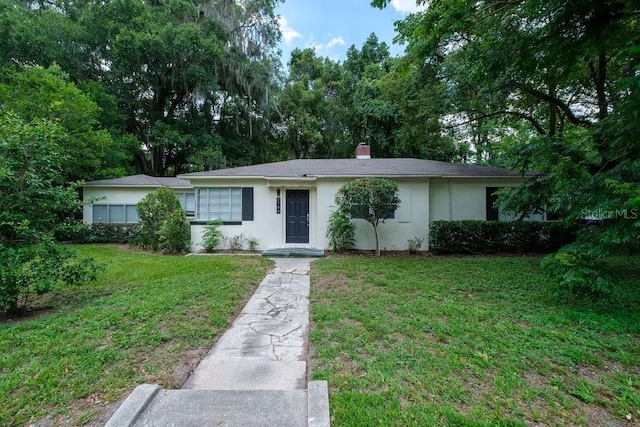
375 229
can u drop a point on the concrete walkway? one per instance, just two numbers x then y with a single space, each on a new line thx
255 375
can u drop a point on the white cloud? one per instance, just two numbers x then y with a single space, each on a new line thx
288 33
408 6
326 49
335 41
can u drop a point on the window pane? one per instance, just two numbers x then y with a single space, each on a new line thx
100 214
187 202
223 203
190 203
236 204
116 213
132 214
201 205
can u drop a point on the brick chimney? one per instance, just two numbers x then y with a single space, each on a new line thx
363 151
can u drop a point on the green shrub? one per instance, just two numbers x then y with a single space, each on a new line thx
340 231
114 233
152 210
36 269
575 274
415 244
77 232
174 235
485 237
71 231
34 196
212 235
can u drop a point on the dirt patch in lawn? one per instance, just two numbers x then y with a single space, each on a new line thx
337 282
25 314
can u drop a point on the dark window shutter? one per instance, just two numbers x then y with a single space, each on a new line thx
247 203
492 198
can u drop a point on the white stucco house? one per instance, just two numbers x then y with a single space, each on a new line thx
287 204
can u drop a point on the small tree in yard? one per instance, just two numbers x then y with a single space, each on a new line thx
174 236
33 198
153 209
373 199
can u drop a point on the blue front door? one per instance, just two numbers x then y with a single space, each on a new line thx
297 216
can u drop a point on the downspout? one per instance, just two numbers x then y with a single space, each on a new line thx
450 200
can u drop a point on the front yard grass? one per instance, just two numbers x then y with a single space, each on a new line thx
148 319
471 342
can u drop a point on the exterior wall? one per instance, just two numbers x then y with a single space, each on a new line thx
455 199
115 196
268 226
423 201
411 219
110 196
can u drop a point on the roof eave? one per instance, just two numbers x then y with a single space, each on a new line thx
136 186
201 177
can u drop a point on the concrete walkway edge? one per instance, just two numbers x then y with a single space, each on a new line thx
132 408
318 404
141 398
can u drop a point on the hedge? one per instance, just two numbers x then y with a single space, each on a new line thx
487 237
99 233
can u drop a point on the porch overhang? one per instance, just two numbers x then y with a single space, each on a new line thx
288 182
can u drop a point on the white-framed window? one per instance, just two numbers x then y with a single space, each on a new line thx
188 202
223 203
122 214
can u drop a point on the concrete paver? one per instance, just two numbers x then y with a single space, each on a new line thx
230 374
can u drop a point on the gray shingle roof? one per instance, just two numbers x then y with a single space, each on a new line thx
358 167
141 181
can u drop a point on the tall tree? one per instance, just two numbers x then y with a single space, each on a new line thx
178 63
310 124
174 66
420 100
371 118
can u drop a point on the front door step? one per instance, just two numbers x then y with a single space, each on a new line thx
293 252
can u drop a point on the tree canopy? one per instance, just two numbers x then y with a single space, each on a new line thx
183 82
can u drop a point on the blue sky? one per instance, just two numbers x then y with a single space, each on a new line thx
331 26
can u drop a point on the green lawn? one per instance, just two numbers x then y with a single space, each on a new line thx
471 342
148 319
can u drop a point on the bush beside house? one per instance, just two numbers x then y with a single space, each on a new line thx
99 233
488 237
